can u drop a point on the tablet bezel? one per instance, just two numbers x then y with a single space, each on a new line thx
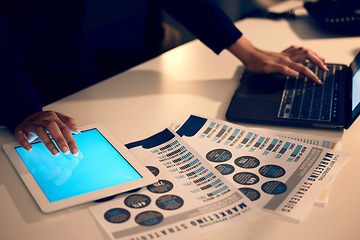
47 206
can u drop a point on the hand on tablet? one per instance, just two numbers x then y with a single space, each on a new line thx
286 62
58 125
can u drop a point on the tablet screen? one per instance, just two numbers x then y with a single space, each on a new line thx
355 68
99 165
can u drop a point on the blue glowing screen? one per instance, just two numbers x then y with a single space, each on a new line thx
99 165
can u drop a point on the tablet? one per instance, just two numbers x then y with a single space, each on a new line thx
104 167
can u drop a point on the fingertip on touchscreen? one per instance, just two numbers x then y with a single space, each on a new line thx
65 150
55 152
75 152
29 148
75 131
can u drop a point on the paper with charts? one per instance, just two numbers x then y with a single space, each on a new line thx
190 198
280 173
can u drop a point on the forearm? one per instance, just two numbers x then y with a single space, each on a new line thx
243 49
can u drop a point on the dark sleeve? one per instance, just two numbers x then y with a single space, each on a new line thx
206 20
18 98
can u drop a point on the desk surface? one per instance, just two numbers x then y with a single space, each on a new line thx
190 79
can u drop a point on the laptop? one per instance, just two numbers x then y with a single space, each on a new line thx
297 101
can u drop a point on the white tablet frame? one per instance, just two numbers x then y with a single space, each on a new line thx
47 206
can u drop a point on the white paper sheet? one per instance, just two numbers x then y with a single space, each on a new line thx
191 197
280 174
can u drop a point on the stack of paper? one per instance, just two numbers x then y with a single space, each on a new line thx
213 173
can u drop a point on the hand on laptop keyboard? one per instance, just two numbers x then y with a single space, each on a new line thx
287 62
301 54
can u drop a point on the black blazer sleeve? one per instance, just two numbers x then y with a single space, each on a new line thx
18 98
206 20
44 50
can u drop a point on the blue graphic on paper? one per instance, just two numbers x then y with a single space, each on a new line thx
246 178
225 169
149 218
274 187
169 202
250 193
218 155
247 162
117 215
272 171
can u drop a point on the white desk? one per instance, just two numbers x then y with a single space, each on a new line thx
189 79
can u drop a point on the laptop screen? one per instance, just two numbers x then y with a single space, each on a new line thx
355 86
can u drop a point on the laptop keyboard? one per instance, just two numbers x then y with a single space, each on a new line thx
303 99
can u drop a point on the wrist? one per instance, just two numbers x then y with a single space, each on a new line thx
242 49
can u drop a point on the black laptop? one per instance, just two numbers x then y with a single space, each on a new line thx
297 101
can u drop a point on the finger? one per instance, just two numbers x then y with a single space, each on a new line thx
69 121
298 51
71 124
69 139
312 57
44 137
302 54
282 69
305 71
320 62
291 49
20 137
55 131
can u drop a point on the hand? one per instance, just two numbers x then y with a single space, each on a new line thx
59 127
286 62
